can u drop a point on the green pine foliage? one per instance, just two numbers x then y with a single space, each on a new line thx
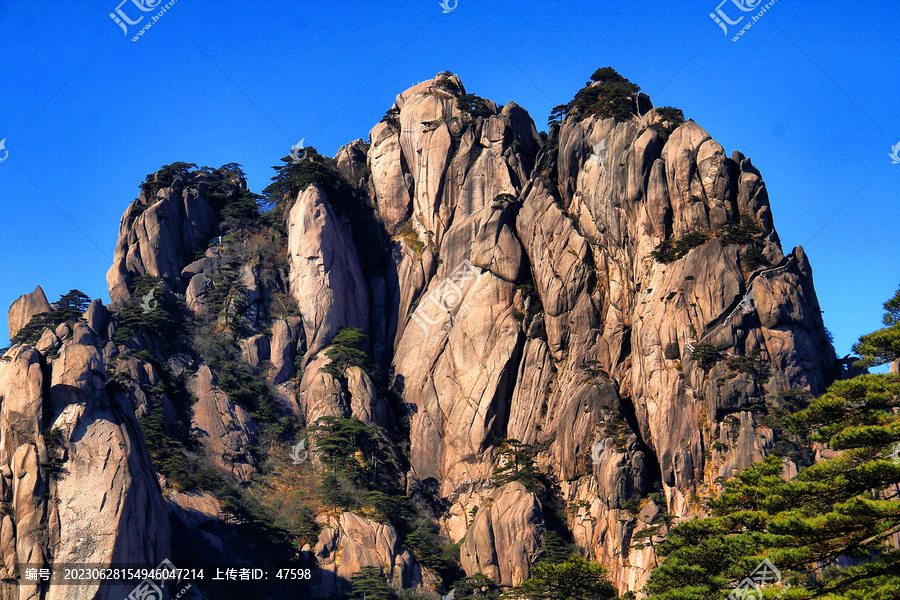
150 310
361 473
392 117
476 587
165 177
654 533
555 549
669 120
346 350
753 259
241 382
574 579
370 584
547 165
670 250
516 463
242 211
744 231
501 201
706 355
609 96
291 178
557 115
474 105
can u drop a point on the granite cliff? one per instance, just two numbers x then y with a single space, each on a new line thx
611 296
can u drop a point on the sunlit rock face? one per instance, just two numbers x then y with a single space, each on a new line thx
615 297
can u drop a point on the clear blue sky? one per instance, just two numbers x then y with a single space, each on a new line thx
810 93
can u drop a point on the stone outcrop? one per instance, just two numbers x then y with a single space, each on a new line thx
25 307
174 216
223 427
350 542
77 483
325 277
505 536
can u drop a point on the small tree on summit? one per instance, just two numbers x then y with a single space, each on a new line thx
607 74
608 95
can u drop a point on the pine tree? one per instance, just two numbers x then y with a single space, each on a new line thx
72 304
517 464
555 549
346 351
574 579
369 584
476 587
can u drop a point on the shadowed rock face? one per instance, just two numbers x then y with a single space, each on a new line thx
627 319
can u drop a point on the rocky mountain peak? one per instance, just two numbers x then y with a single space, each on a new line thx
606 307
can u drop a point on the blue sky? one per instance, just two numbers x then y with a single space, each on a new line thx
809 92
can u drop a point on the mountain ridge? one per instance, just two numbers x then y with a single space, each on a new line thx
612 296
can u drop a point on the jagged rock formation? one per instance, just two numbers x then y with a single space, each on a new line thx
25 307
350 542
78 485
614 295
174 216
601 347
